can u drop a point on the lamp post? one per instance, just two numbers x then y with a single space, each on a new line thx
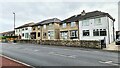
14 23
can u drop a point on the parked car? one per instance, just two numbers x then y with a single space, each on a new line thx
117 42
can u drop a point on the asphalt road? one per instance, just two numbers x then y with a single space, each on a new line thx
46 55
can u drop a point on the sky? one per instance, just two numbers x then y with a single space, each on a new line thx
39 10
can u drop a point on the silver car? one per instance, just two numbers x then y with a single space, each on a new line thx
117 42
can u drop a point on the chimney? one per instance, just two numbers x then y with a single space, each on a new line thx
83 13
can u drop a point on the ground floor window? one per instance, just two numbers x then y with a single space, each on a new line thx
64 34
99 32
50 35
26 35
73 34
44 34
33 35
38 34
86 33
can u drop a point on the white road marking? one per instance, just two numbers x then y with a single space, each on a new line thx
36 50
108 62
63 55
66 49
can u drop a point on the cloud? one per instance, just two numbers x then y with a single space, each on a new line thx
37 11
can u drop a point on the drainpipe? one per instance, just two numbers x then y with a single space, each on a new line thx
113 31
108 31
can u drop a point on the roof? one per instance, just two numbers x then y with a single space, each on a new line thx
8 32
25 25
48 21
88 15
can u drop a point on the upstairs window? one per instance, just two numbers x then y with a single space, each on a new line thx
38 27
26 28
86 33
33 28
85 22
73 24
64 25
23 29
44 26
97 21
50 25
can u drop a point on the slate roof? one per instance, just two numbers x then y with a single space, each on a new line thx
8 32
88 15
48 21
25 25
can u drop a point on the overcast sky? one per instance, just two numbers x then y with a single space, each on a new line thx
36 11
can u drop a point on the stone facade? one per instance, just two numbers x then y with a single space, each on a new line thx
71 43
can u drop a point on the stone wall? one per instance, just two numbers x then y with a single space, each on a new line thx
72 43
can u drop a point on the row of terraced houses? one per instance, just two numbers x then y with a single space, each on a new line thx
95 25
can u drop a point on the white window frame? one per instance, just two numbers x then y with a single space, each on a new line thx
73 24
64 25
85 22
44 26
97 21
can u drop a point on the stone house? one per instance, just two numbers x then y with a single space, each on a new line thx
69 28
46 29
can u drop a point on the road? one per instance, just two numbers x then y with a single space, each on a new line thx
46 55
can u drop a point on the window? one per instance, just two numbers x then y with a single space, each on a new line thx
26 35
73 24
74 33
33 28
26 28
97 21
96 32
38 27
19 30
23 34
85 23
85 32
16 30
64 35
38 34
44 34
50 34
23 29
44 26
64 25
99 32
103 32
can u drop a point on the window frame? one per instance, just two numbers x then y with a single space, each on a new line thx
86 31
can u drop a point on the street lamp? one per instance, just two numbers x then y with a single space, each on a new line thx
14 23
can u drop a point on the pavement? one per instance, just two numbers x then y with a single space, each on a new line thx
112 47
10 63
45 55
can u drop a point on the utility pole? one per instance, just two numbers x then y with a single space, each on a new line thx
14 23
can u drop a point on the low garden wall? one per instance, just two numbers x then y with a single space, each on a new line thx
72 43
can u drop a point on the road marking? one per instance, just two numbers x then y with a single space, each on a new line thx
66 49
36 50
108 62
63 55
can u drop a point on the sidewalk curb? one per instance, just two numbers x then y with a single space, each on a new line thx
17 61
